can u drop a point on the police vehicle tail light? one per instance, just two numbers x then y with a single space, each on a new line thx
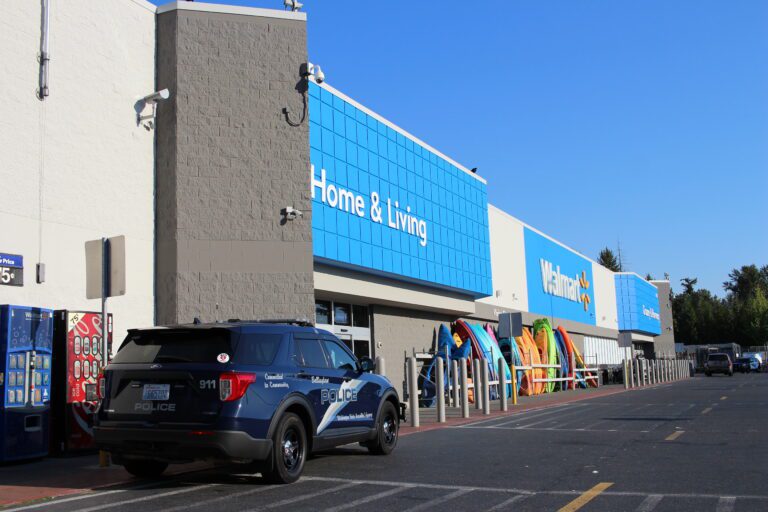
232 386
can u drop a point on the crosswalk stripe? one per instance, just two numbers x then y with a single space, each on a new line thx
725 504
649 503
437 501
504 504
366 499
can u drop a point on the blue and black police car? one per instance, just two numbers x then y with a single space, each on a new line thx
265 393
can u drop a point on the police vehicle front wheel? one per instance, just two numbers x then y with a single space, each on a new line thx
289 450
387 427
145 468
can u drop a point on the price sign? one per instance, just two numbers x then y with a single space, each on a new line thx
11 270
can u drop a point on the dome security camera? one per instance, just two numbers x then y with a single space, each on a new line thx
319 75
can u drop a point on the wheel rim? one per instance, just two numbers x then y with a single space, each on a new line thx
389 428
292 449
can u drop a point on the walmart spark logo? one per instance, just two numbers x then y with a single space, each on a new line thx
585 285
561 285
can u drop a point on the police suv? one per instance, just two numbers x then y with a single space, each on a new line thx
265 393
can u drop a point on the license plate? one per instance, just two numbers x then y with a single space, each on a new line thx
156 392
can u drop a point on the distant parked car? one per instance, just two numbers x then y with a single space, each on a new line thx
718 363
742 364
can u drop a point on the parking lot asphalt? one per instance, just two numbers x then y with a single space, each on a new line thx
691 445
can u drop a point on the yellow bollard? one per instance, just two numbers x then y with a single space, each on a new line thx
514 385
103 459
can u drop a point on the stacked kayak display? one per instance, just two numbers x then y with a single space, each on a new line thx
467 341
545 341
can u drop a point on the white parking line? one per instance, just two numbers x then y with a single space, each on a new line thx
296 499
226 496
557 419
521 419
649 503
368 499
523 414
437 501
147 498
84 497
504 504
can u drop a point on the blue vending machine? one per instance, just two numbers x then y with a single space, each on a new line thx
26 335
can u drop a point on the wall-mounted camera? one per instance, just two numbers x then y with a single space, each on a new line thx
292 213
150 99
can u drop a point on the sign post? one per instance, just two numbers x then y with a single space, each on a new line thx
105 277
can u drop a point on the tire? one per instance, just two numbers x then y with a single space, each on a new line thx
387 430
145 468
289 450
708 374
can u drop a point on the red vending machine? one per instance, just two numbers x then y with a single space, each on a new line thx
78 359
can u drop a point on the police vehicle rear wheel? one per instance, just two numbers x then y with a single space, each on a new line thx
289 450
388 427
145 468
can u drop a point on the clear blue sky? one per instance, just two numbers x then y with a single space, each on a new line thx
594 121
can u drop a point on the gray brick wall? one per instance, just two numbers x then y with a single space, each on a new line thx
665 342
227 164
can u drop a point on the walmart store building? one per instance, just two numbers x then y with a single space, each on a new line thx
394 236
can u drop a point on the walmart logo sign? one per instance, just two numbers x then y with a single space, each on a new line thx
561 285
559 280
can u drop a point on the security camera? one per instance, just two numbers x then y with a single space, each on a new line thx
291 213
153 98
292 5
319 75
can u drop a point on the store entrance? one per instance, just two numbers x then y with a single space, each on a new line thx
351 323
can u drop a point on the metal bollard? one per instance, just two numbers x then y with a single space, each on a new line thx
514 385
440 390
631 368
413 392
464 389
502 385
652 372
656 372
637 373
486 388
381 368
625 375
476 383
455 383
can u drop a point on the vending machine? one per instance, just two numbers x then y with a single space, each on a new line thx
78 359
26 334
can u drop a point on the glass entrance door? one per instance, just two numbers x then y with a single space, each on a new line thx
349 322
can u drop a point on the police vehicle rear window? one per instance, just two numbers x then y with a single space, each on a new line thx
259 349
167 346
718 357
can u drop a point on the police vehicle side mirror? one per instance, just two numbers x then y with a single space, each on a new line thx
367 364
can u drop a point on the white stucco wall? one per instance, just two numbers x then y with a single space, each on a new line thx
606 314
510 288
98 177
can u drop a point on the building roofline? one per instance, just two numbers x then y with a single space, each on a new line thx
232 9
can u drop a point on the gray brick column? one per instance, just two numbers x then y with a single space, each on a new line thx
227 164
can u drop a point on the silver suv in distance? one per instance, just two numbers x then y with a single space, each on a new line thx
718 363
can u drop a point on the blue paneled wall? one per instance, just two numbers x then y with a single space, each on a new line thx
637 303
385 204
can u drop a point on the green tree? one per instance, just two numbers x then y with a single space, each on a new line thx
607 259
743 283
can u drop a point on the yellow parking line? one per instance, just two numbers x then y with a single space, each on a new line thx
723 397
705 411
674 435
586 497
